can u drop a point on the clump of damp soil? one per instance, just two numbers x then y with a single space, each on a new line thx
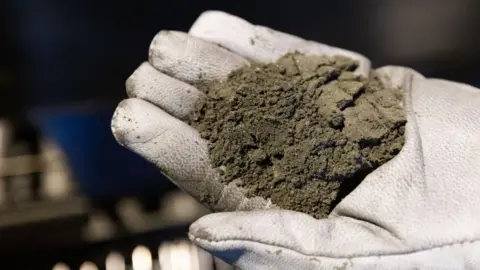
303 131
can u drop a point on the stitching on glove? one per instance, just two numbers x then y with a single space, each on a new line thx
433 248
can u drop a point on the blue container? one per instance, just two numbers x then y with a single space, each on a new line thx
102 168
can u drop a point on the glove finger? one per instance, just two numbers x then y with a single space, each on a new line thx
179 151
170 144
173 96
245 237
260 43
282 240
191 59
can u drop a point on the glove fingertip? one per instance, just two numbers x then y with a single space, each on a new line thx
126 121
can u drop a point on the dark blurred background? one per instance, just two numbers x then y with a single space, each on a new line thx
63 65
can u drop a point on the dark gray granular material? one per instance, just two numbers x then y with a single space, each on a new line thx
303 132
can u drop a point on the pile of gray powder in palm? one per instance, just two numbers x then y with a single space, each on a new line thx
303 131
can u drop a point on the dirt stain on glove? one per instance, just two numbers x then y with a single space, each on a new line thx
304 131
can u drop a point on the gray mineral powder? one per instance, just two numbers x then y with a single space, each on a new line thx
303 131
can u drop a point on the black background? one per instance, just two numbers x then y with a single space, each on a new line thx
55 52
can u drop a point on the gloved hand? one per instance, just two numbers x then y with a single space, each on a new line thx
421 210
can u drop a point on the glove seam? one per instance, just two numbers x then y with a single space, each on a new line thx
405 253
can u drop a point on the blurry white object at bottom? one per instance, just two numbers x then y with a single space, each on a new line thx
61 266
183 255
115 261
178 255
88 266
142 258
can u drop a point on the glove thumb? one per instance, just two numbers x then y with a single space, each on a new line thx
247 238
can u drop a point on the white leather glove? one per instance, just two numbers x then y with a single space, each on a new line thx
421 210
